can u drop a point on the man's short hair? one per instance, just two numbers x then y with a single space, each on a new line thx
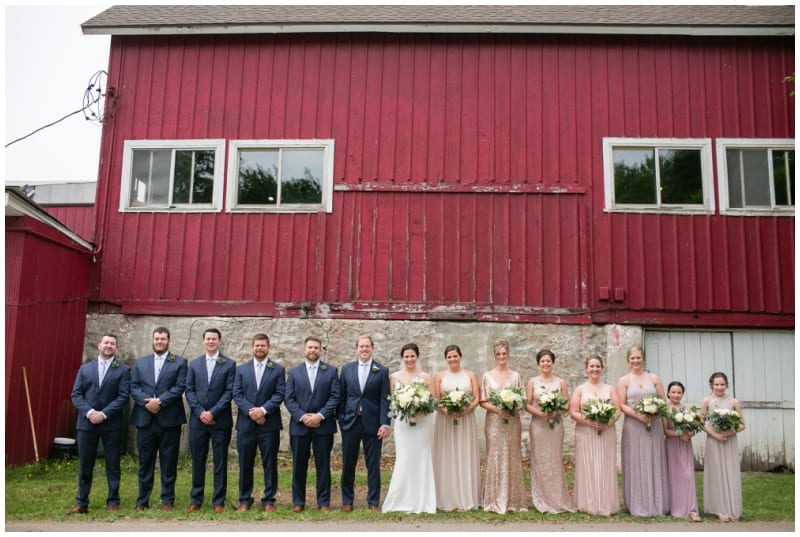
213 331
261 336
162 330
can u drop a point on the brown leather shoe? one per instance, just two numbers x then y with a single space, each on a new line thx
374 508
243 507
346 508
167 507
139 508
297 509
219 508
324 508
269 508
192 508
78 510
113 508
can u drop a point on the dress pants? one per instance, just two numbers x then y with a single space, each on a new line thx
87 455
267 443
163 442
351 443
220 439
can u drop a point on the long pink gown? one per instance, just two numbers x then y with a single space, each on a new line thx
596 491
682 489
722 476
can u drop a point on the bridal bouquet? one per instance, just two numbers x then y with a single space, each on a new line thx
553 402
651 405
410 399
686 420
723 419
509 399
600 410
456 401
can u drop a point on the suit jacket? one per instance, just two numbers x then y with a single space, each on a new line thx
373 401
169 389
323 399
110 398
214 395
269 395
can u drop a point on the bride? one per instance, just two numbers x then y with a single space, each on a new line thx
412 488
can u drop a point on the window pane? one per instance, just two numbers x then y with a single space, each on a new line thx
301 176
756 178
634 176
203 177
782 168
182 187
681 176
258 170
150 181
735 200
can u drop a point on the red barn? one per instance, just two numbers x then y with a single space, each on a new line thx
593 166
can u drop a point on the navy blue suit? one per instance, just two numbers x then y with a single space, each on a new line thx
214 395
360 415
110 398
250 435
158 435
301 399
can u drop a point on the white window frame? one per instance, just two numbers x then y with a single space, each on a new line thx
327 145
707 171
217 145
723 144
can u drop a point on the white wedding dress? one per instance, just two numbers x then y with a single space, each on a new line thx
412 488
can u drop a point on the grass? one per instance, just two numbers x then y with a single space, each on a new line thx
767 497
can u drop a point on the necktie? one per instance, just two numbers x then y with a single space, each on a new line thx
259 373
159 363
209 367
102 371
363 371
312 375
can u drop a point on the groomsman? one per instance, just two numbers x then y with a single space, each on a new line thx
157 387
258 391
209 392
363 417
312 396
100 393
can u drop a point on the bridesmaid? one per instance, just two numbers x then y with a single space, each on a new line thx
722 478
595 491
503 486
645 478
548 480
456 455
680 461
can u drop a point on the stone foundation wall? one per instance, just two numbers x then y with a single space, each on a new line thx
570 343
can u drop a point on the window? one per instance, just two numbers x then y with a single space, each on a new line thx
756 176
658 175
172 175
280 175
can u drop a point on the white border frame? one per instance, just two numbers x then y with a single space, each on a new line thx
327 145
722 144
218 145
707 170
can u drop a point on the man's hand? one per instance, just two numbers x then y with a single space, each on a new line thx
152 405
258 415
384 432
312 421
96 417
207 418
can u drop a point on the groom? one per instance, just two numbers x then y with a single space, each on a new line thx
363 417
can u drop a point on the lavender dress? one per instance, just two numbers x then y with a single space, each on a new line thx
680 461
645 478
722 477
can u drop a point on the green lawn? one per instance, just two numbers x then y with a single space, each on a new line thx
767 496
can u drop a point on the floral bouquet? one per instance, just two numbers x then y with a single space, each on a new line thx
723 419
456 401
410 399
686 420
509 399
600 410
652 406
551 402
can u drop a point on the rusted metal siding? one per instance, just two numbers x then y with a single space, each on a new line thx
468 177
46 300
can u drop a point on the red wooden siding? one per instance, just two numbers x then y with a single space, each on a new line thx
79 218
46 300
468 175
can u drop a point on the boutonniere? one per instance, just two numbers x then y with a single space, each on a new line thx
375 369
170 357
323 367
220 360
114 363
270 365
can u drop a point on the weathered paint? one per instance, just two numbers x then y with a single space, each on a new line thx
79 218
468 177
46 301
